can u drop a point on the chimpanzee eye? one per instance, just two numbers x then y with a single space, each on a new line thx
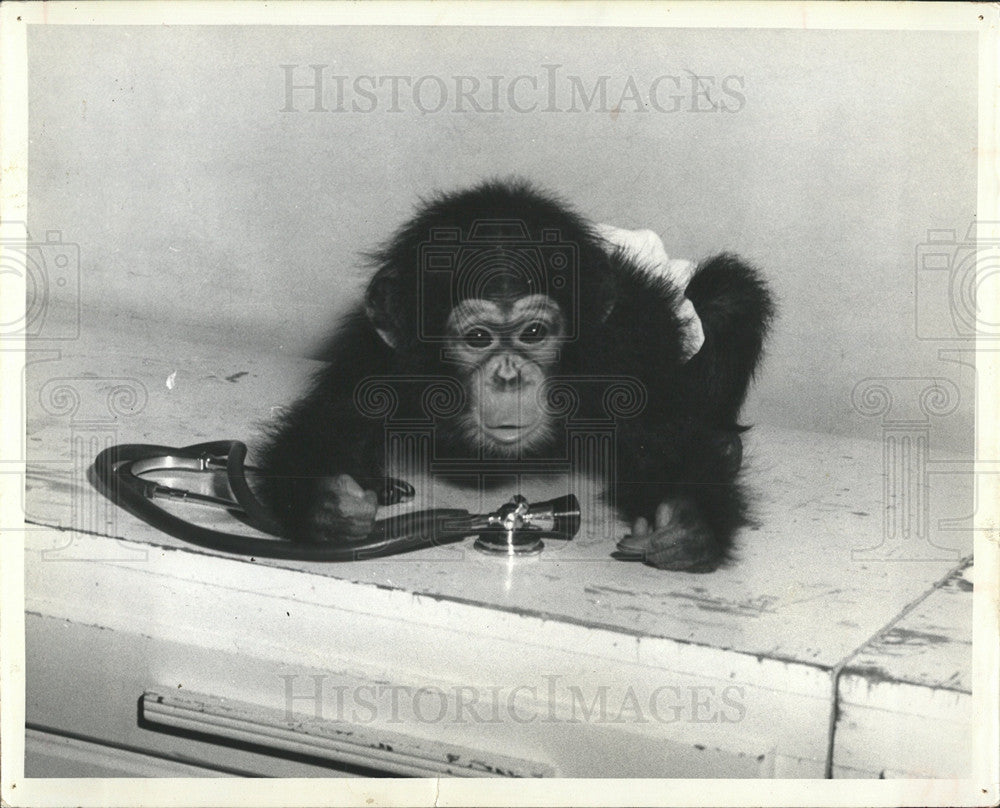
535 332
478 338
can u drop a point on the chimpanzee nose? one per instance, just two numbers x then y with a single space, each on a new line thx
506 372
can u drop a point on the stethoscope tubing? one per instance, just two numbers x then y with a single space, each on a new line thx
118 469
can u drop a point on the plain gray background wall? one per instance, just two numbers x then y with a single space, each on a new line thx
165 154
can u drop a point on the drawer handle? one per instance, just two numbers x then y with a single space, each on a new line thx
338 742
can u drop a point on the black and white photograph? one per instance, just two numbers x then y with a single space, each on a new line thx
499 404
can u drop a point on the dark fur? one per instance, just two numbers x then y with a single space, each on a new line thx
675 450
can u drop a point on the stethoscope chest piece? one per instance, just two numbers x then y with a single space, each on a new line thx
517 528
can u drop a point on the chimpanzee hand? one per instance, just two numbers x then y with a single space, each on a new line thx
680 539
344 511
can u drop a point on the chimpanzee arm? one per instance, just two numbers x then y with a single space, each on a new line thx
736 310
677 465
324 435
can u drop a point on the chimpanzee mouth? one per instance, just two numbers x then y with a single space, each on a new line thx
508 433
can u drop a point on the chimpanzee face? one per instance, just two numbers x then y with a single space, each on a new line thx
505 348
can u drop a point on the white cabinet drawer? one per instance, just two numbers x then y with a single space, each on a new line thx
49 755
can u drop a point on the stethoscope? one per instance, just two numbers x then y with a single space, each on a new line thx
515 528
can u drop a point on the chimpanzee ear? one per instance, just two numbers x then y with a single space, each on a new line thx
382 306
